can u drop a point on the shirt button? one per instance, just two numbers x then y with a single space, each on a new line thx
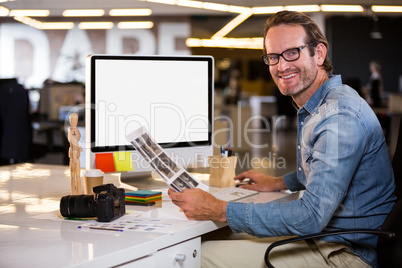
298 147
299 168
302 123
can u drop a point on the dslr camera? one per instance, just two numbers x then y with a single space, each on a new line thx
107 204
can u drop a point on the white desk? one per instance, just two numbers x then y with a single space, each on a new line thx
30 192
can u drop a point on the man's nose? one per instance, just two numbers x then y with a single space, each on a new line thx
282 64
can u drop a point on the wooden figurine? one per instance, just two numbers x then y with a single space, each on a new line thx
74 136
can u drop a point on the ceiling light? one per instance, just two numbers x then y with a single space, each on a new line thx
130 12
4 12
342 8
170 2
44 25
203 5
232 24
28 21
96 25
267 10
187 3
238 9
135 25
56 25
376 35
30 12
304 8
243 43
83 12
215 6
386 8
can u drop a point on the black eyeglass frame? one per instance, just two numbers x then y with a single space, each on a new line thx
298 49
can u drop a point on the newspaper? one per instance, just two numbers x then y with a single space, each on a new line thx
174 176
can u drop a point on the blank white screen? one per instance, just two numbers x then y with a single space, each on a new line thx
169 97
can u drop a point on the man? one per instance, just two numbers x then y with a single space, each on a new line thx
342 164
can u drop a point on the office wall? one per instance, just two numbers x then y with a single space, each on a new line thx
352 48
34 55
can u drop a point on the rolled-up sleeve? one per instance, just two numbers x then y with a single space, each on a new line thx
292 183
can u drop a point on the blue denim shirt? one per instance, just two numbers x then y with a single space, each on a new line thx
344 167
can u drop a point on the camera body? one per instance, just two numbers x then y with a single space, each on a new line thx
111 202
107 204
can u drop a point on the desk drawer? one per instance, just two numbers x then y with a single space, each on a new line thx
185 254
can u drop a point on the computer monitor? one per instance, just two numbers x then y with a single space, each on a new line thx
172 96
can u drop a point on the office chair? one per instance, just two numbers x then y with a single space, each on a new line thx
389 243
15 125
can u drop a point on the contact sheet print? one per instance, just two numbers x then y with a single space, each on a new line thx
174 176
138 224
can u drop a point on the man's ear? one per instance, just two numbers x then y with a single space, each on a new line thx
321 53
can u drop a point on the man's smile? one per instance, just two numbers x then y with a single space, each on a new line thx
287 76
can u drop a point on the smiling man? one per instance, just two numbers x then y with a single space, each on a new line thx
343 167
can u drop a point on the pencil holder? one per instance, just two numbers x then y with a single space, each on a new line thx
222 171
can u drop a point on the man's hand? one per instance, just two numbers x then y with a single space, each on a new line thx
261 182
199 205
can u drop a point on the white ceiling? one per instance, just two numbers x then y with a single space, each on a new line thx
56 7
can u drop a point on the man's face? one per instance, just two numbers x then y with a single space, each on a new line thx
292 78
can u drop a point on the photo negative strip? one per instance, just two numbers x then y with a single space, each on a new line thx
175 176
168 162
180 185
188 180
154 146
145 151
163 169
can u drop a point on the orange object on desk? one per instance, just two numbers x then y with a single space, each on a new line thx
105 162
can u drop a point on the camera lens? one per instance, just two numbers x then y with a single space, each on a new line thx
77 206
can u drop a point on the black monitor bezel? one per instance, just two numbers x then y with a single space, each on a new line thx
93 58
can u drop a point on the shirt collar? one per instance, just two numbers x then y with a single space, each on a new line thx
317 98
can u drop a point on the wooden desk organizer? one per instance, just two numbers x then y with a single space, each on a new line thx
222 170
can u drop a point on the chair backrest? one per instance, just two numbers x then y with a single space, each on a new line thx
389 250
15 126
397 163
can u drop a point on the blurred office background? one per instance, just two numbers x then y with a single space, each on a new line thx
43 52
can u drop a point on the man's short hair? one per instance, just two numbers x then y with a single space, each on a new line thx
314 35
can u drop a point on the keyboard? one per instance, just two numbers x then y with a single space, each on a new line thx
232 194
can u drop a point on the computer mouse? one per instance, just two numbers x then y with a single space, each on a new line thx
244 182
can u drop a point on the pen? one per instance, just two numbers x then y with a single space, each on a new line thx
102 228
106 229
226 152
223 153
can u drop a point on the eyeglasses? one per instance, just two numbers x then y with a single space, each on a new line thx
291 54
